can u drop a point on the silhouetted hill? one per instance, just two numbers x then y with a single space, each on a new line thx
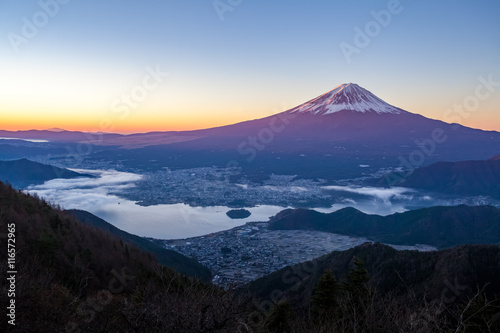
164 256
462 178
58 242
74 277
22 173
453 273
438 226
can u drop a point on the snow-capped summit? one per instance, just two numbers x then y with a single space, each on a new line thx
347 96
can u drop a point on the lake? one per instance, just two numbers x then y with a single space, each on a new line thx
101 197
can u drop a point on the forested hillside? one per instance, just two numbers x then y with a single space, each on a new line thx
73 277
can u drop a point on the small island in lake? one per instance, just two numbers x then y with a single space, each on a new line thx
238 213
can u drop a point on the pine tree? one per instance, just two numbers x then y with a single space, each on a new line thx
357 295
326 293
357 278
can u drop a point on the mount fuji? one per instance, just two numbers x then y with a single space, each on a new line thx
350 119
347 96
346 132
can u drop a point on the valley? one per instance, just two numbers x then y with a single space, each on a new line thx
243 254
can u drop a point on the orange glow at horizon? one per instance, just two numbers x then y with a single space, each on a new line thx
165 124
152 116
111 125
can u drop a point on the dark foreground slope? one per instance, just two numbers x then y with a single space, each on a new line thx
374 288
165 257
22 173
438 226
73 277
465 267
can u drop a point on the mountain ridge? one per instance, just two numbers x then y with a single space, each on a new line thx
23 172
169 258
460 178
440 226
426 273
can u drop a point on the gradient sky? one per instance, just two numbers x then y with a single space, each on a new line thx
264 57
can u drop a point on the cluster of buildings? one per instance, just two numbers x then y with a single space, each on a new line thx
211 186
245 253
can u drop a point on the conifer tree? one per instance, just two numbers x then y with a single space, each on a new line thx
357 278
326 293
357 296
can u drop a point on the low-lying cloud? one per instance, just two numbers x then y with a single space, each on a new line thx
99 196
384 194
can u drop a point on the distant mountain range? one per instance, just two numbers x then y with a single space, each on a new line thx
327 137
55 135
459 178
22 173
442 227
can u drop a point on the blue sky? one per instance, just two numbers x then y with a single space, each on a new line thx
262 58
